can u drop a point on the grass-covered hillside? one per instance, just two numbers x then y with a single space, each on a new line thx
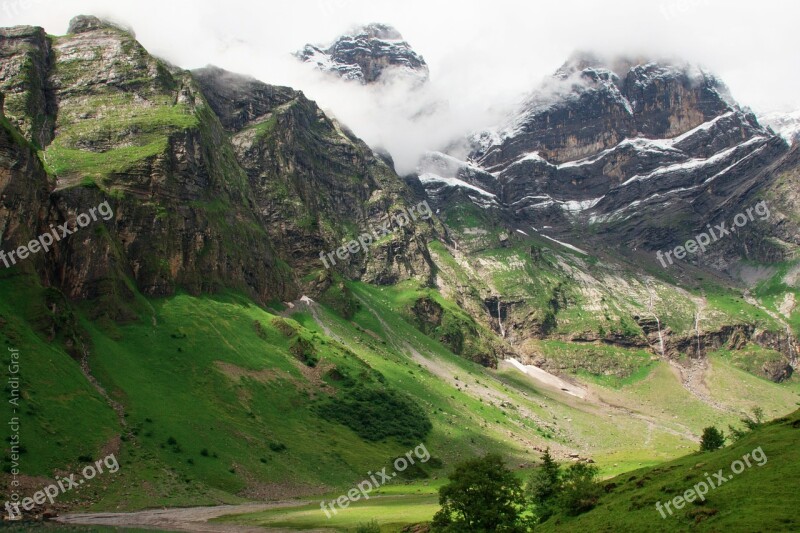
215 399
763 497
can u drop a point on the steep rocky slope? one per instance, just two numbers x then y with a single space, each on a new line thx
315 184
201 192
137 133
605 165
639 153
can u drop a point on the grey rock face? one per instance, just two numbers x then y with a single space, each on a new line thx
642 154
366 55
215 180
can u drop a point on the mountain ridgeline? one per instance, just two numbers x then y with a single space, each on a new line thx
217 180
205 289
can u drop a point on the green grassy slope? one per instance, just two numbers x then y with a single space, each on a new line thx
61 416
760 498
224 400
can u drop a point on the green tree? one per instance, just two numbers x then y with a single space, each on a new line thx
712 439
544 486
579 490
482 496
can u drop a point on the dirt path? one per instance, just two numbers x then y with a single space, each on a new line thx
185 519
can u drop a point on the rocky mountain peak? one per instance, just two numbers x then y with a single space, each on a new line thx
87 23
384 32
367 53
623 144
623 97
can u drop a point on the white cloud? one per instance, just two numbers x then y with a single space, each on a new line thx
483 56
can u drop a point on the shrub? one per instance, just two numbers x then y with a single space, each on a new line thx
713 439
277 447
368 527
375 414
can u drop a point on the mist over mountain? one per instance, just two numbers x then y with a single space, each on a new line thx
247 279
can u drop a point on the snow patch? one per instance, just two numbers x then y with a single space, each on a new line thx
695 163
565 245
453 182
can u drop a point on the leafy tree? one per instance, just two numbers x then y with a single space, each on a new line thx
483 496
579 490
544 486
712 439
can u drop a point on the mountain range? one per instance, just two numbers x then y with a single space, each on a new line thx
198 334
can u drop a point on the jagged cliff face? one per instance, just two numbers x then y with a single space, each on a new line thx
315 184
366 55
612 163
639 153
24 191
202 186
589 106
217 181
131 128
26 59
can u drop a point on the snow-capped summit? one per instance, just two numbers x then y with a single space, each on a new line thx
624 146
366 54
590 105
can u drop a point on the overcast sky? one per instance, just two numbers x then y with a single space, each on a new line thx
483 56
